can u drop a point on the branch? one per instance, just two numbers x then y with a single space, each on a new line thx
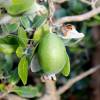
79 18
50 91
14 97
72 81
60 1
51 11
86 2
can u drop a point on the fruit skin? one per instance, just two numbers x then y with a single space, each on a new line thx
51 54
18 7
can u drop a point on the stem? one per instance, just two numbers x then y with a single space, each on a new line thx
50 93
72 81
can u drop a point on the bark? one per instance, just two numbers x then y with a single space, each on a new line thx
50 93
96 61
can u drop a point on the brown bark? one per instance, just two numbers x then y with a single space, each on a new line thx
96 61
51 92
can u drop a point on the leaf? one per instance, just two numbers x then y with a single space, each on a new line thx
23 39
2 87
14 78
9 28
8 44
25 22
93 22
31 17
23 69
7 49
35 66
19 52
40 32
39 20
27 91
76 6
19 7
10 40
66 69
8 63
32 52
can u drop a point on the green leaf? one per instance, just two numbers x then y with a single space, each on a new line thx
32 52
2 87
25 22
76 6
40 32
27 91
93 22
19 6
9 28
66 69
23 39
14 78
39 20
7 49
8 64
19 52
23 69
10 40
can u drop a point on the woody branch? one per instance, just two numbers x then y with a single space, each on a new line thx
72 81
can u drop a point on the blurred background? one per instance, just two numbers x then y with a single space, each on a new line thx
83 56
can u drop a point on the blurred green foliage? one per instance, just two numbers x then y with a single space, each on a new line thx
12 45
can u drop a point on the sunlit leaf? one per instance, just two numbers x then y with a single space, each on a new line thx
19 7
40 32
19 52
7 49
23 39
23 69
2 86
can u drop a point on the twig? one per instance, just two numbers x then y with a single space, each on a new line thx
60 1
86 2
72 81
4 95
93 3
51 10
79 18
14 97
8 89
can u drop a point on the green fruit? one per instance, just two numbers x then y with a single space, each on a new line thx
19 6
51 54
66 69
